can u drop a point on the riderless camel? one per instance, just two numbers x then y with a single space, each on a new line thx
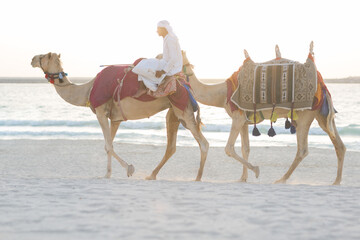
216 95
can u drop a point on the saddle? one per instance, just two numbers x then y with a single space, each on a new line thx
279 83
118 82
167 86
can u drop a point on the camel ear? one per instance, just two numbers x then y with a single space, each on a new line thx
311 50
246 54
49 55
277 51
59 55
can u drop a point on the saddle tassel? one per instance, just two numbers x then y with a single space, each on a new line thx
255 131
292 128
287 124
271 131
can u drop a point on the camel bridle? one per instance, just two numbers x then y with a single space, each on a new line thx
51 77
185 71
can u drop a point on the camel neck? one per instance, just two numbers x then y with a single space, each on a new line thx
75 94
212 95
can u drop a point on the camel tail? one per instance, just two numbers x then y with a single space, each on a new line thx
198 119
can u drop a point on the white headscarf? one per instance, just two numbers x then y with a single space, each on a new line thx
166 24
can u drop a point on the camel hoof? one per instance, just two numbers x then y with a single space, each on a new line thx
130 170
280 181
336 183
198 180
151 177
108 175
243 179
257 171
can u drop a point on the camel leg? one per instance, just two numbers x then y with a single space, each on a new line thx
114 128
338 144
237 126
130 168
104 123
187 119
245 149
302 132
172 126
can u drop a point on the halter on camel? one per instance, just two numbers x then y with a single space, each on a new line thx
51 77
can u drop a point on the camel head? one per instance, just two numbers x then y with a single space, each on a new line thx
49 63
187 66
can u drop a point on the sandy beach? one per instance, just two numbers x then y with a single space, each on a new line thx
54 189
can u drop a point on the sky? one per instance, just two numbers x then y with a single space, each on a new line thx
214 34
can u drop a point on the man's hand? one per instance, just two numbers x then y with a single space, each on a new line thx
159 73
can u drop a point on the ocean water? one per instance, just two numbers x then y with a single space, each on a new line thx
36 111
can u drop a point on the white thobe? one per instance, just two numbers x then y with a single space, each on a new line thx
172 57
171 63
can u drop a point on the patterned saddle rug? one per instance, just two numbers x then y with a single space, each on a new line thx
279 83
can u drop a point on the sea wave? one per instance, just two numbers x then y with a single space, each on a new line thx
47 123
66 123
53 127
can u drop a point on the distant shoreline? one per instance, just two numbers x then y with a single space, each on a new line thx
205 80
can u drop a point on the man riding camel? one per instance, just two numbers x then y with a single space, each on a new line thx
152 71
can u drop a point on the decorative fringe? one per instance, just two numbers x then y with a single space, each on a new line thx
274 117
287 124
294 115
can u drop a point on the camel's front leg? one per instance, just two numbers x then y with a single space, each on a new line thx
302 132
245 149
189 122
204 148
172 126
129 168
104 123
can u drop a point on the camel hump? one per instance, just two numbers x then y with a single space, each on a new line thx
311 50
277 51
246 54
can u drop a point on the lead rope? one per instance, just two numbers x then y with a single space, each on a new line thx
118 92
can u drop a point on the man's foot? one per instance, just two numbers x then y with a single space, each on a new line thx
141 90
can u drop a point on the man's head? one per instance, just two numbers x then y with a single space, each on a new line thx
162 31
164 28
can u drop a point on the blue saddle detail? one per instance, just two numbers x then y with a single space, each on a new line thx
194 104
